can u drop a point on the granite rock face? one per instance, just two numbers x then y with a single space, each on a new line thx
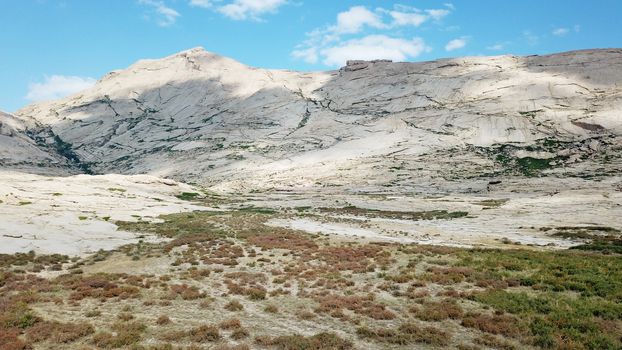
198 117
24 150
536 141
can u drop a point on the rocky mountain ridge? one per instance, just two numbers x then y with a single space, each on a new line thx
198 117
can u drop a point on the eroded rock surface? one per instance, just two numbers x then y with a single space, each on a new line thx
75 215
542 133
199 117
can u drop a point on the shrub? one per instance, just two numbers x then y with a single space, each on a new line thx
362 305
124 316
186 292
495 324
405 334
16 315
57 332
230 324
204 333
321 341
234 305
175 335
438 311
9 340
240 333
127 334
494 342
162 320
231 347
93 313
271 309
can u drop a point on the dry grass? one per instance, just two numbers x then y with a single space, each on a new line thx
186 292
362 291
204 333
494 342
495 324
126 334
362 305
163 320
322 341
234 305
56 332
232 347
406 333
9 340
439 310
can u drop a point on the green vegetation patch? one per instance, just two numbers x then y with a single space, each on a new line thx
492 203
571 301
597 238
188 196
257 210
392 214
177 225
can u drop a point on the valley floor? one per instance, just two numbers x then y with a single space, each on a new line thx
188 269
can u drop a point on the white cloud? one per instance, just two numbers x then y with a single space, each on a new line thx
560 31
57 86
334 44
201 3
455 44
166 15
357 17
408 19
411 16
373 47
437 14
496 47
531 38
250 9
308 55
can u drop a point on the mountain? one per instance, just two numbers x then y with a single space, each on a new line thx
19 150
199 117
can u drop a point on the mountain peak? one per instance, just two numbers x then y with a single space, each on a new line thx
201 117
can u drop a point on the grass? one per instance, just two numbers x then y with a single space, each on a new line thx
492 203
321 341
114 189
415 216
439 310
56 332
234 305
573 297
405 334
178 225
188 196
530 166
370 295
125 335
257 210
596 238
204 333
552 316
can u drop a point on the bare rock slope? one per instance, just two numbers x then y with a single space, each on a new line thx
199 117
18 150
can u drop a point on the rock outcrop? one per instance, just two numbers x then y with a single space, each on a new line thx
19 148
199 117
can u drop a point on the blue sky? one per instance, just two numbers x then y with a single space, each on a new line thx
50 48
